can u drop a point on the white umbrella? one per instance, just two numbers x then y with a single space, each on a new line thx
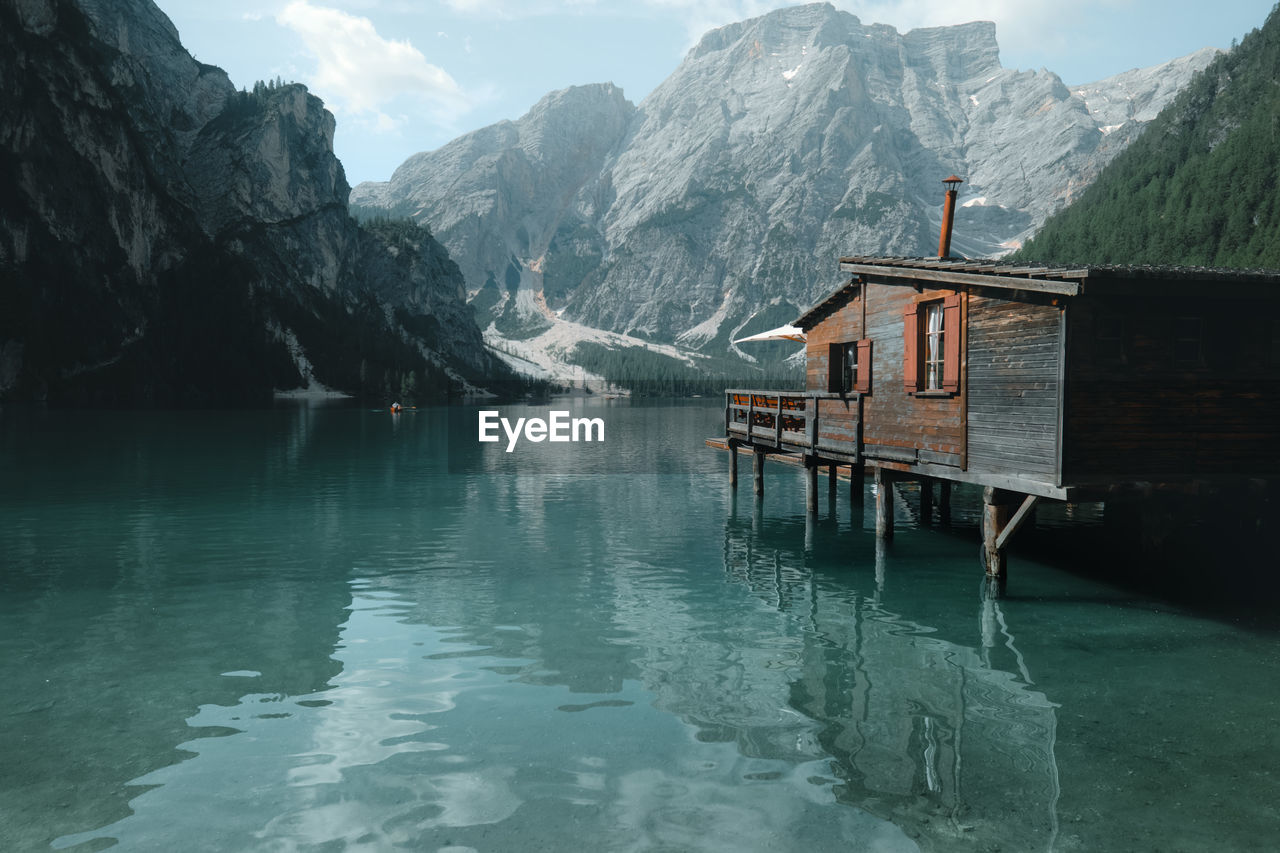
782 333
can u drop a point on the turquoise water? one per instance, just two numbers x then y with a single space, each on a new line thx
335 629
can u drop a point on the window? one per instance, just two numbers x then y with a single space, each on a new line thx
931 346
849 367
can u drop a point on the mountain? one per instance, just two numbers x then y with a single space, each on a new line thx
718 205
167 239
1199 187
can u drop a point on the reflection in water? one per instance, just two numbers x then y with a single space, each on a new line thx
332 767
317 635
923 731
427 739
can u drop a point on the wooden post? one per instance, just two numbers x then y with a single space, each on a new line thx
857 480
995 515
733 464
810 485
926 501
944 502
757 464
777 422
811 424
884 504
832 483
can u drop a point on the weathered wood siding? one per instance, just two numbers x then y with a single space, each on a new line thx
1135 413
1014 357
898 426
838 418
842 326
838 425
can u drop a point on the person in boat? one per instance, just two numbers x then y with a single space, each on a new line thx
396 408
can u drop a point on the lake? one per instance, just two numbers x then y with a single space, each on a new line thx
331 628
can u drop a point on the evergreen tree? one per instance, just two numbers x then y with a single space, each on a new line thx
1198 187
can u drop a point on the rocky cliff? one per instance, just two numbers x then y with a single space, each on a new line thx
165 238
718 206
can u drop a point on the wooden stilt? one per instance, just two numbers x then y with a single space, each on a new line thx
757 465
995 515
832 482
857 480
884 504
944 502
733 464
926 501
810 485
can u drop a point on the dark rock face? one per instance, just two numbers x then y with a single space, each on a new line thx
777 145
167 239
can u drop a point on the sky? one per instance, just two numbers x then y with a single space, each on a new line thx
403 76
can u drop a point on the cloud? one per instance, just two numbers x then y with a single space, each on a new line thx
360 72
511 9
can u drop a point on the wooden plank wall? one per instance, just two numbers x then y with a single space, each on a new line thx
926 428
838 418
838 424
1014 356
840 327
1143 416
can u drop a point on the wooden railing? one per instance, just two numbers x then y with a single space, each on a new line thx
794 420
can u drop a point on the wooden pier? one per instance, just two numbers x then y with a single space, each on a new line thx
1033 383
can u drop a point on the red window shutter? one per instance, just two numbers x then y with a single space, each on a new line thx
910 346
835 368
951 333
864 367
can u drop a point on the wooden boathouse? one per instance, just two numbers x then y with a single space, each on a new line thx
1034 383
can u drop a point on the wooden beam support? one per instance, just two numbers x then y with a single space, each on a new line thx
995 517
733 464
857 482
884 504
1013 484
833 482
757 465
1027 510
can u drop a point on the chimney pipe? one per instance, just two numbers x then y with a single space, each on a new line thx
948 216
